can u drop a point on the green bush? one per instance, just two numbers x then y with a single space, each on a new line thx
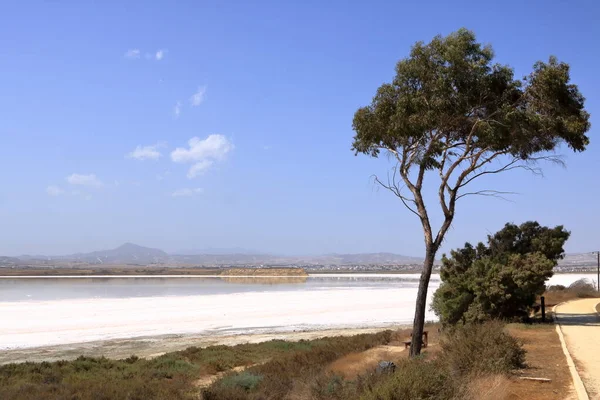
244 380
500 280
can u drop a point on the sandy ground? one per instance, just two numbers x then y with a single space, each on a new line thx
149 347
355 364
581 327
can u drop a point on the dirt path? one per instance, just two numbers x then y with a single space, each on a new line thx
354 364
580 325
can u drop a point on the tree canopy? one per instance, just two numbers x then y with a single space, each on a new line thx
502 279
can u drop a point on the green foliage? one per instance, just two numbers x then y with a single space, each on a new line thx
502 279
244 380
452 86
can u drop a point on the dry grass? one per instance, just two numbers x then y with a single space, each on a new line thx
487 387
545 359
580 289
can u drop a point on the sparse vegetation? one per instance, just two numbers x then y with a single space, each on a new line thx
482 353
172 376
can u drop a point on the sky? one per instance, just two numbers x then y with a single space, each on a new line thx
196 124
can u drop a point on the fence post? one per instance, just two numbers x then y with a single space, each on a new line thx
543 301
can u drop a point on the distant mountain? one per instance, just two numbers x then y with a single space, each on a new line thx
127 253
134 254
215 250
376 258
9 261
579 260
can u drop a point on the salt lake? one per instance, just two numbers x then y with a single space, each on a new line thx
62 310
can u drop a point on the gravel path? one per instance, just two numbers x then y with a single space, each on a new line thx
580 324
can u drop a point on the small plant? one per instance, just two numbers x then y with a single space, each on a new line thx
244 380
482 348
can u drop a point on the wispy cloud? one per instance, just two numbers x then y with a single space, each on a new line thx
177 109
89 180
186 192
202 153
199 168
160 54
198 97
53 190
133 54
146 152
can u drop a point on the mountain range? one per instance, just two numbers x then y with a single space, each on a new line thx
130 253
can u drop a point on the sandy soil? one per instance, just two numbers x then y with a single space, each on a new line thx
355 364
149 347
580 325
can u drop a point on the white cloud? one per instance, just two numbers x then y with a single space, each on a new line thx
198 97
186 192
132 54
54 190
202 153
214 146
84 180
146 152
160 54
199 168
177 109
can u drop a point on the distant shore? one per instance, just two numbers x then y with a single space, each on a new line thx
186 271
151 271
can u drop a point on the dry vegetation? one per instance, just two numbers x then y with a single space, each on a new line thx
170 376
473 362
580 289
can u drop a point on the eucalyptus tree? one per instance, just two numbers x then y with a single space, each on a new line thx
455 115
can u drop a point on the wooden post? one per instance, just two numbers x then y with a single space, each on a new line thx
543 301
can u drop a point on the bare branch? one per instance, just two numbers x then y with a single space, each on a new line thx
488 193
393 187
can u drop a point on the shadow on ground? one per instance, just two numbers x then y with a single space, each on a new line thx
591 319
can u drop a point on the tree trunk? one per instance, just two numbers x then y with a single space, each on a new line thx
419 322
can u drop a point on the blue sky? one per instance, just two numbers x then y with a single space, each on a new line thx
276 84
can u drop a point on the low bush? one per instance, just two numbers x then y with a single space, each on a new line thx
482 348
413 379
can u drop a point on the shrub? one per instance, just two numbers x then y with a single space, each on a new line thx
583 288
413 379
244 380
482 349
501 279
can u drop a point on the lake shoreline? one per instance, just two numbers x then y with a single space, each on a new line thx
154 346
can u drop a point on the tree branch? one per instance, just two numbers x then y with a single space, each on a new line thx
489 193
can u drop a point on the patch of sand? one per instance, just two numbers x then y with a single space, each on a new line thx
355 364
